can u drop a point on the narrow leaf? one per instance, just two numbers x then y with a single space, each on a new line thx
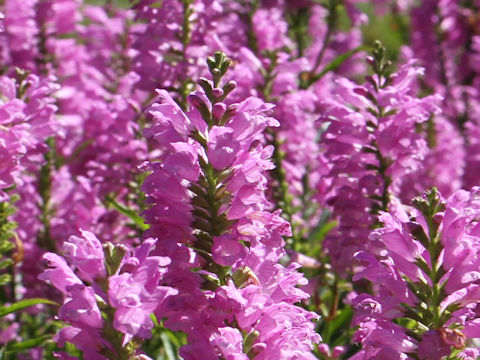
338 61
27 344
131 214
22 304
169 350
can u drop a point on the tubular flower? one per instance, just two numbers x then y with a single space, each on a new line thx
209 212
123 291
27 119
427 273
372 144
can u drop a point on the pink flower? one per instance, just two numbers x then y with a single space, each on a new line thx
58 273
271 29
229 342
86 254
226 250
81 307
432 346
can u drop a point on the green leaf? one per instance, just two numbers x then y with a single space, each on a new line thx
6 246
169 349
422 264
154 320
131 214
341 322
27 344
338 61
5 263
5 279
316 238
174 338
410 313
22 304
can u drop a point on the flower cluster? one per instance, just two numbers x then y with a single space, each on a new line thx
371 148
250 205
209 211
109 297
427 275
27 109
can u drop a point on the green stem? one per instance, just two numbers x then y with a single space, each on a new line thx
109 333
280 193
115 338
331 25
44 56
283 199
185 37
299 22
251 36
387 181
210 192
45 189
400 22
433 251
380 68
